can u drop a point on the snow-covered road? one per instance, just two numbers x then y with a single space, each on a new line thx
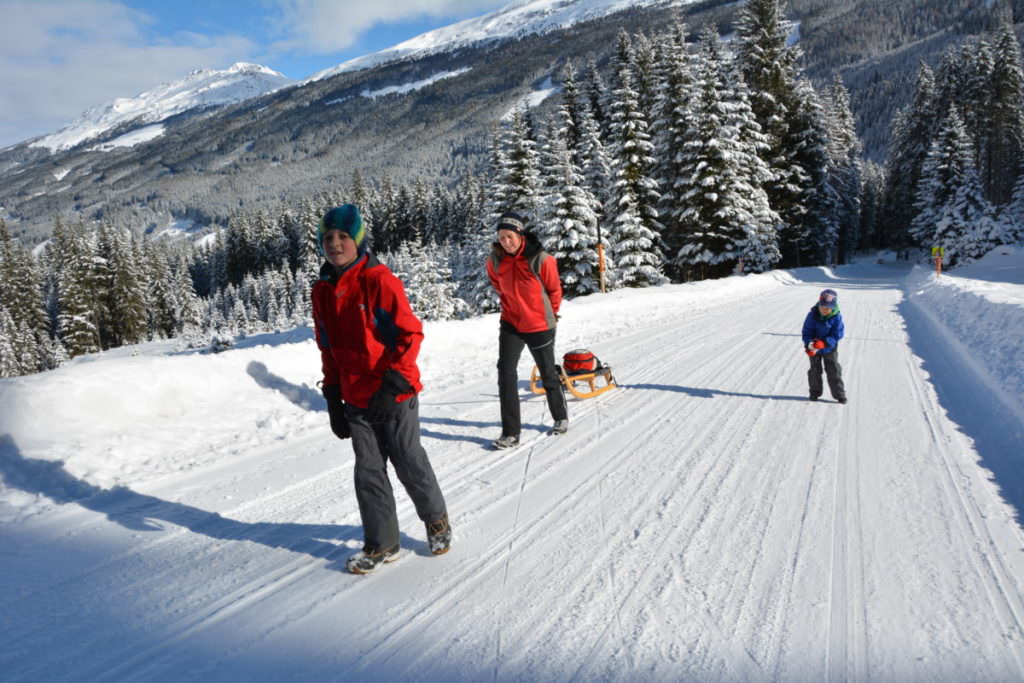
703 521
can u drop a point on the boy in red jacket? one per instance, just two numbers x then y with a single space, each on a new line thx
526 278
369 339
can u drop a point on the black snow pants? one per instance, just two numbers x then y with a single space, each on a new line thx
833 371
396 439
542 347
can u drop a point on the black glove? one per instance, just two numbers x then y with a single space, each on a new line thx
382 403
336 411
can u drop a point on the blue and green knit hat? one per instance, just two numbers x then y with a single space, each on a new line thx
347 219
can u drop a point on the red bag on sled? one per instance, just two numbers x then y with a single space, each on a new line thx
578 361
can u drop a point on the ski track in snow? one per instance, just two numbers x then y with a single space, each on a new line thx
703 521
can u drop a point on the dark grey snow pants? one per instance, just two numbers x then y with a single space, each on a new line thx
397 439
833 371
542 347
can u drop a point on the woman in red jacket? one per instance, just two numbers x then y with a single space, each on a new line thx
526 278
369 339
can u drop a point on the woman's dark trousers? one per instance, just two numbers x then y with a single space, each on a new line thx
542 348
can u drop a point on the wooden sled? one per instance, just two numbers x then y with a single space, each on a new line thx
576 379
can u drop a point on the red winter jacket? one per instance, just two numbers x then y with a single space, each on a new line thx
528 283
364 326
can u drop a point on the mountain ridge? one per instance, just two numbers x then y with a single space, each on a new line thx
199 89
295 142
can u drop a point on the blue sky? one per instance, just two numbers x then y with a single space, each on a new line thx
61 57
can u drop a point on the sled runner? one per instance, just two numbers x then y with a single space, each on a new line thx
579 372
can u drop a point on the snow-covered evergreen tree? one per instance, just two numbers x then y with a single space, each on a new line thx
598 178
160 307
635 233
845 155
1002 147
816 232
911 134
673 119
424 271
22 294
188 316
569 217
595 93
124 293
723 212
9 365
78 295
515 185
952 211
768 62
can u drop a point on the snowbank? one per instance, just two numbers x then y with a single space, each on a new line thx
980 308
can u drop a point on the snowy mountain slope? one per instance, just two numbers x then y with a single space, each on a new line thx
704 521
515 20
201 88
209 87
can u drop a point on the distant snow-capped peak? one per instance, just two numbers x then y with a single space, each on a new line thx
517 19
201 88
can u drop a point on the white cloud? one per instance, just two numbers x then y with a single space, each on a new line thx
325 26
61 57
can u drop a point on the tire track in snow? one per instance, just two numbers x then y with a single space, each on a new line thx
740 661
847 624
540 526
500 466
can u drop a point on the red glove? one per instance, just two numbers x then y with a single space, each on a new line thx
811 352
811 348
818 344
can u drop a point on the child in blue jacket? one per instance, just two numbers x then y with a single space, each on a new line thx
823 328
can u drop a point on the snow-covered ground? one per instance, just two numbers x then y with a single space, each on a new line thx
179 516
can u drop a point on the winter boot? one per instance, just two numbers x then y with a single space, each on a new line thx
505 441
439 536
561 427
366 560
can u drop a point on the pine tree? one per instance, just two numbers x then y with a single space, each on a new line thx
723 212
123 290
569 217
521 178
160 308
188 317
952 211
961 81
911 135
816 232
571 113
1002 148
22 294
427 281
635 235
515 185
78 295
872 189
594 93
308 267
598 178
844 152
240 249
26 350
9 365
768 63
673 119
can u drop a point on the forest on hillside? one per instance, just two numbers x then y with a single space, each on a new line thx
681 161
